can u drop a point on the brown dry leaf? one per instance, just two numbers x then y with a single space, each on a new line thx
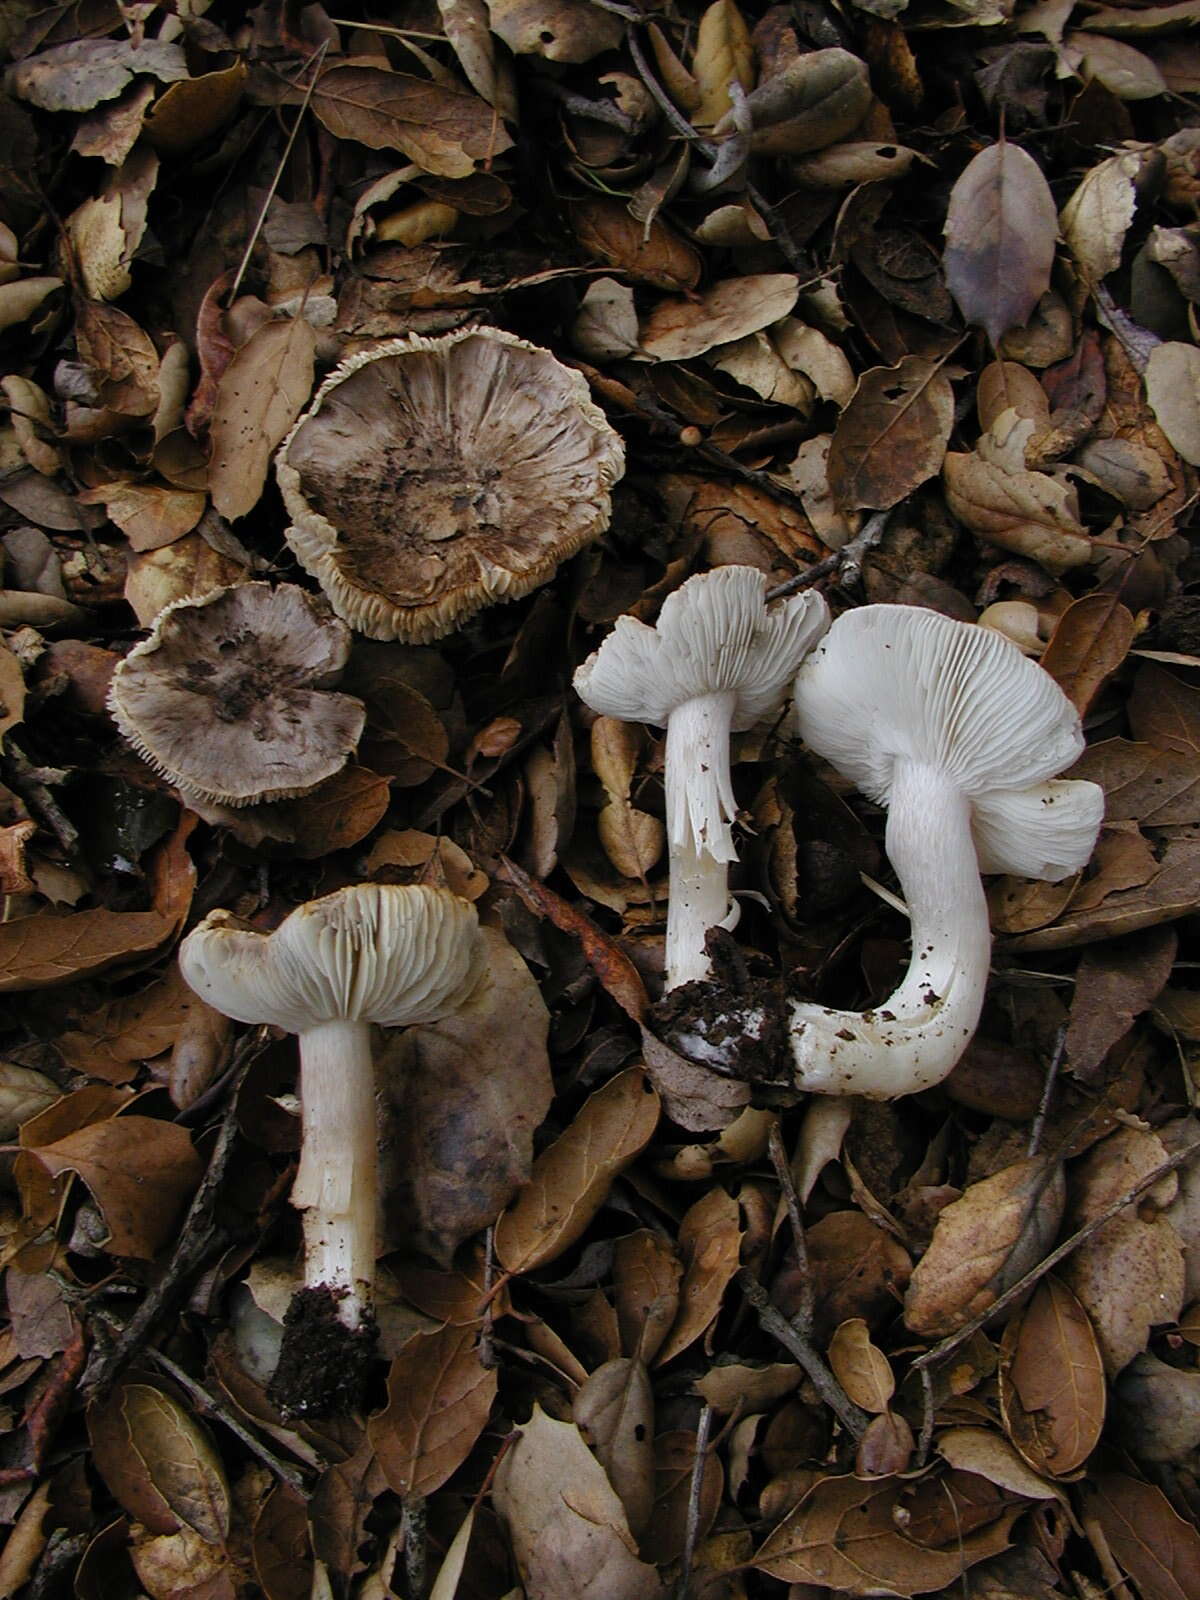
444 130
611 965
569 1531
1090 641
337 814
656 255
1001 229
1143 783
1155 1546
280 1545
189 111
140 1172
984 1242
148 514
1029 513
1124 71
106 1042
1173 390
646 1277
159 1463
818 98
710 1239
695 1097
674 1516
845 1534
42 951
860 1366
614 1411
339 1506
439 1399
1164 710
1052 1385
468 29
724 54
678 330
1115 982
858 1269
892 436
559 30
465 1095
571 1178
12 691
121 357
1173 891
987 1454
261 393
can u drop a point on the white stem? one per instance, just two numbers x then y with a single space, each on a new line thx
700 806
915 1037
335 1186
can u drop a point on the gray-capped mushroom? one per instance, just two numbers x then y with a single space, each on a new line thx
389 955
433 477
229 696
719 660
960 736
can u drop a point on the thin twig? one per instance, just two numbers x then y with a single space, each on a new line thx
847 561
692 1530
1039 1122
773 1321
413 1524
30 782
926 1439
803 1320
487 1333
1059 1253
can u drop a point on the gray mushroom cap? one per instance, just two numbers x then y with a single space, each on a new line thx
891 683
228 696
384 953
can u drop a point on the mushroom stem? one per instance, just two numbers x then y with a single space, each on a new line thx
335 1186
700 802
914 1037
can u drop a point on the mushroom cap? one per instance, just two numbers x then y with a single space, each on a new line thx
432 477
226 697
716 633
900 683
386 953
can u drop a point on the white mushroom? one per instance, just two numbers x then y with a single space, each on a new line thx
367 954
949 726
719 661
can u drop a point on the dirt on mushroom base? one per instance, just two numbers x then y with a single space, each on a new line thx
323 1365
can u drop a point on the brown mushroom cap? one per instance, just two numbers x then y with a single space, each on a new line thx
432 477
227 696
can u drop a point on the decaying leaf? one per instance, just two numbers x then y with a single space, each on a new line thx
261 393
1001 228
445 130
1052 1389
439 1397
892 435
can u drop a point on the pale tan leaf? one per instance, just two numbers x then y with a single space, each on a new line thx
614 1411
710 1238
1124 71
677 330
1173 390
860 1366
1096 218
1029 513
724 55
261 393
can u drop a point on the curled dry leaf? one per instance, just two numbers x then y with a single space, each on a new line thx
678 330
571 1178
1001 228
1090 641
1052 1386
261 393
159 1463
1096 218
815 100
444 130
710 1238
614 1411
984 1242
439 1398
1028 513
569 1530
860 1366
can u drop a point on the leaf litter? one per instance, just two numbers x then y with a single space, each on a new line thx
898 302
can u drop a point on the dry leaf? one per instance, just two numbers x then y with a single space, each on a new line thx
1146 783
1155 1546
710 1238
78 75
559 30
860 1366
1001 229
1052 1387
892 436
444 130
439 1399
1096 218
42 951
1090 641
1029 513
568 1528
605 230
159 1462
983 1243
261 393
1173 390
1115 982
571 1178
678 330
646 1275
724 54
614 1411
815 100
1165 710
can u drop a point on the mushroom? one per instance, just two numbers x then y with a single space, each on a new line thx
960 736
228 697
719 660
431 477
392 955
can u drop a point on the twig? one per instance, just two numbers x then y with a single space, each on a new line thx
803 1320
207 1402
926 1439
952 1341
30 783
695 1489
847 561
487 1334
1039 1122
773 1321
413 1524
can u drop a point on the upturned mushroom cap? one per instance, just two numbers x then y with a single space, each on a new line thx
385 953
432 477
715 634
892 683
227 696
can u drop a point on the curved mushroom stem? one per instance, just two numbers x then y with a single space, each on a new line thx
915 1037
699 792
335 1186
